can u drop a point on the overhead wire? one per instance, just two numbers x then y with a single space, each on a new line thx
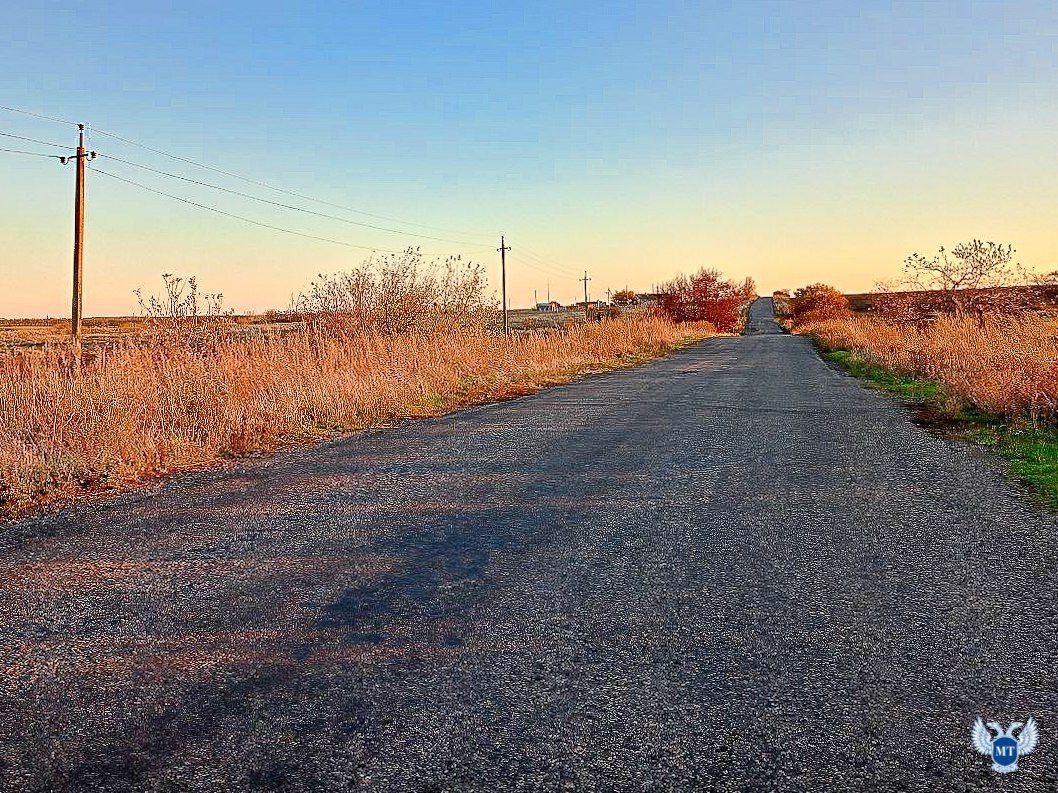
35 140
529 254
541 258
268 186
239 217
247 179
538 257
262 224
282 205
533 266
477 247
36 115
34 153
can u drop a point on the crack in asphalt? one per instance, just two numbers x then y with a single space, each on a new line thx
731 569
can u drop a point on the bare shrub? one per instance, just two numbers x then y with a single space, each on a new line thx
180 315
180 302
967 267
400 293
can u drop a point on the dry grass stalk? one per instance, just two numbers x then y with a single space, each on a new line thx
176 401
1002 365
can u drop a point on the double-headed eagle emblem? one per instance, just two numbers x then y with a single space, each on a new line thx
1004 748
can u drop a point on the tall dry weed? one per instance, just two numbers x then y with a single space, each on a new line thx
1004 365
174 401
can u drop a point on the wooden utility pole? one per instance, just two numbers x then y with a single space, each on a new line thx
503 282
585 279
78 237
78 230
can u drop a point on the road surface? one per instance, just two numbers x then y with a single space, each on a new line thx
732 569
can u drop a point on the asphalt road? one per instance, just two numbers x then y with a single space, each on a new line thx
735 568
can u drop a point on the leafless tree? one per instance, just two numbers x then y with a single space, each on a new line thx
977 278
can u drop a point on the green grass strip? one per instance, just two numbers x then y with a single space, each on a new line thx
920 391
1031 452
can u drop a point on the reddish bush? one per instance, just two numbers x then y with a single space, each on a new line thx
819 302
707 297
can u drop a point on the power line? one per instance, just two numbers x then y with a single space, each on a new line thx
34 153
34 140
528 257
545 268
268 186
37 115
545 271
542 265
261 223
284 206
258 182
545 260
549 264
241 217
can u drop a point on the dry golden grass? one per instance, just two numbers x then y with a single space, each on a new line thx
180 400
1006 366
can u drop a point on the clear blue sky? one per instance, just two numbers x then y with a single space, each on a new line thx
794 142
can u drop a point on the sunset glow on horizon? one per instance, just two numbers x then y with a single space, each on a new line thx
769 140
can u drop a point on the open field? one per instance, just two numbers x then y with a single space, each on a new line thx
531 319
176 400
37 332
106 331
1043 299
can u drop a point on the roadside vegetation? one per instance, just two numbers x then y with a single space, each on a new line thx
706 296
394 339
980 354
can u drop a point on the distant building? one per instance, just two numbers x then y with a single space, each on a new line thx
550 307
649 298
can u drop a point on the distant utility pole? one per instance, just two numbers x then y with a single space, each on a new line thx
585 279
607 295
503 281
78 230
536 300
